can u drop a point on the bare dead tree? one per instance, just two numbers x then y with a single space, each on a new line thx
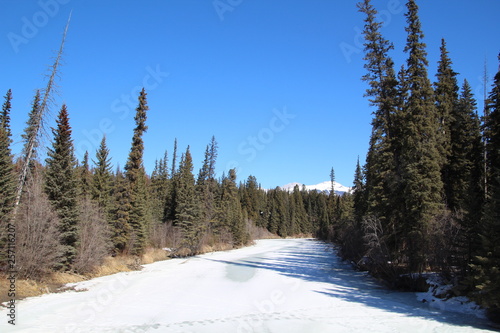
38 121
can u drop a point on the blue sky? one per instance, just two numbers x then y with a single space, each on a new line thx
277 82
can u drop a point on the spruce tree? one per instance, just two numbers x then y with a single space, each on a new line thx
136 177
465 166
359 193
187 206
488 260
61 185
120 227
421 172
85 176
30 136
102 179
206 185
332 180
170 207
5 115
492 136
279 218
323 218
382 190
384 151
252 201
299 220
232 215
7 176
159 188
446 92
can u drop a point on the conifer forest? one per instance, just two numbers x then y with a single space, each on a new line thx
426 200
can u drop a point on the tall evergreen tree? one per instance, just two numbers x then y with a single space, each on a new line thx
332 180
299 220
382 190
446 92
421 172
5 115
61 185
120 227
488 260
30 136
170 207
232 215
278 220
253 202
323 216
359 193
7 177
187 206
465 158
206 185
102 180
465 166
384 153
136 177
160 188
85 176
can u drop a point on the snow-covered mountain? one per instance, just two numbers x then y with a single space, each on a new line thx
321 187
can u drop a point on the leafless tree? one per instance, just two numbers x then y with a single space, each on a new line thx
37 234
94 237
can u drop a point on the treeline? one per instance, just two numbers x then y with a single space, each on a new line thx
428 197
73 214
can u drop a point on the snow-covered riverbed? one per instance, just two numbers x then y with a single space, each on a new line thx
292 285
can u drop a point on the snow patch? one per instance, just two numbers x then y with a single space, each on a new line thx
438 297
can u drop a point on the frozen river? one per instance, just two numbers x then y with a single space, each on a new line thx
292 285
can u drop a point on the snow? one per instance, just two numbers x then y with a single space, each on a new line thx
280 285
437 298
321 187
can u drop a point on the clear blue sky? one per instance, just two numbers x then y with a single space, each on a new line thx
277 82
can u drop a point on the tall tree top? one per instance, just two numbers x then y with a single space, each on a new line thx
378 63
135 158
414 45
419 85
103 161
5 115
62 133
141 116
445 64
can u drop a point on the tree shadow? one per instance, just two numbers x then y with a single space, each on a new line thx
316 261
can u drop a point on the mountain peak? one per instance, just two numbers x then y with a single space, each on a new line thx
321 187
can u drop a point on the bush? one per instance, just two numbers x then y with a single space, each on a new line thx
37 235
93 238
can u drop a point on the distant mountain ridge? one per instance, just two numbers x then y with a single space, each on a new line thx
321 187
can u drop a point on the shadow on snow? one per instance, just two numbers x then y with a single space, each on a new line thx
315 261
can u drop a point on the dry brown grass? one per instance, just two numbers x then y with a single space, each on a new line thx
61 278
152 255
55 281
24 288
259 232
30 288
216 247
113 265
